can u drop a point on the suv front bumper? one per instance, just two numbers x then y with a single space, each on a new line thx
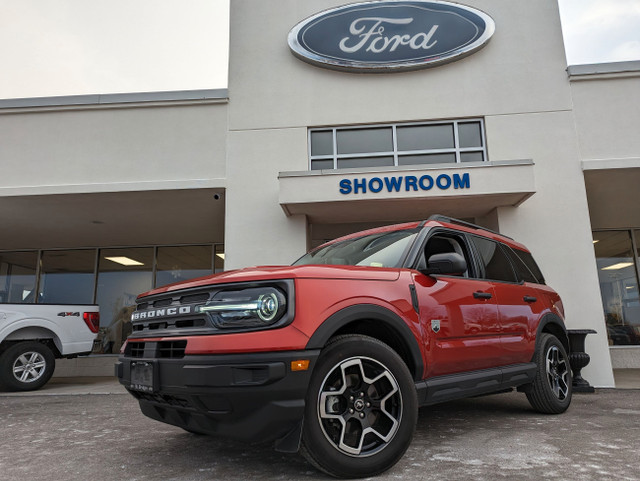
251 397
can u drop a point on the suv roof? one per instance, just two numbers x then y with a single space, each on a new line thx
438 220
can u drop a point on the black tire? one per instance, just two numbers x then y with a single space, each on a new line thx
551 389
359 384
26 366
194 432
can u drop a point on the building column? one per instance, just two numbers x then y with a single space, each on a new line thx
257 231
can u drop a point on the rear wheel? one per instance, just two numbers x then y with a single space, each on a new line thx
361 408
26 366
550 391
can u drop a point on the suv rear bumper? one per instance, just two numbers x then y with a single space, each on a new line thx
250 397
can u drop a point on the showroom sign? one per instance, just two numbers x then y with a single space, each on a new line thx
389 36
406 183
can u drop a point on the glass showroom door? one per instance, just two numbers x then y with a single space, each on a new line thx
618 275
122 275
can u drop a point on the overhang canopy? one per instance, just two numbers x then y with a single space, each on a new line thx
612 192
397 194
102 219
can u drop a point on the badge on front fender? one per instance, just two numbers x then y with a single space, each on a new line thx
435 325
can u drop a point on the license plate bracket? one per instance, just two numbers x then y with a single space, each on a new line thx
143 376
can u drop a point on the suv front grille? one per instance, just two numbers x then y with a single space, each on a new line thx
161 323
153 350
171 349
136 349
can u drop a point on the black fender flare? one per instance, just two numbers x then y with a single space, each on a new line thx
554 324
371 312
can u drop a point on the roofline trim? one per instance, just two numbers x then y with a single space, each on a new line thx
604 70
121 98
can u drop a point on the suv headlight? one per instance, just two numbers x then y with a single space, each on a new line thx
249 307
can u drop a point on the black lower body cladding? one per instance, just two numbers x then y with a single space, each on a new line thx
251 397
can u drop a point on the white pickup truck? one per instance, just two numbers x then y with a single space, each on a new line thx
32 336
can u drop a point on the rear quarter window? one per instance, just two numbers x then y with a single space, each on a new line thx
528 260
497 266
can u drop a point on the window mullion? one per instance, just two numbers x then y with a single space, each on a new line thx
335 148
394 136
484 141
636 260
456 141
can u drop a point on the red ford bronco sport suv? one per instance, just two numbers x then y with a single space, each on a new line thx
334 355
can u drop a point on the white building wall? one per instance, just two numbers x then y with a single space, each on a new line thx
517 82
607 111
554 222
522 69
606 101
257 231
95 148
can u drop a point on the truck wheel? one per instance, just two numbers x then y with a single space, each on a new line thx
550 391
361 408
26 366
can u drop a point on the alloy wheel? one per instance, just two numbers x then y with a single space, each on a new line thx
29 367
557 372
360 406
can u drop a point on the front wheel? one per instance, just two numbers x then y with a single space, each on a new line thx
361 408
26 366
550 391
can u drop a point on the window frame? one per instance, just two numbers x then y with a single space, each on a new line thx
514 255
395 153
473 266
481 265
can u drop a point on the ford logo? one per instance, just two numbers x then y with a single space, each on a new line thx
390 36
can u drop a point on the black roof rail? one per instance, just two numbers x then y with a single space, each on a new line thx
451 220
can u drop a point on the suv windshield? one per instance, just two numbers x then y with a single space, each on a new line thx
384 249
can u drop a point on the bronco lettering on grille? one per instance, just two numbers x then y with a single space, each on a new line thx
160 313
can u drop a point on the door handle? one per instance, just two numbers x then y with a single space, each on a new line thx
529 299
482 295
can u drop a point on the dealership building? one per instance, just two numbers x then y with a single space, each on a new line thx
106 196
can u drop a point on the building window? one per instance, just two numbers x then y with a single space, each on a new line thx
176 264
110 277
448 142
18 277
122 275
617 260
67 276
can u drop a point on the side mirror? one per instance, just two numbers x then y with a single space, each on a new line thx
448 263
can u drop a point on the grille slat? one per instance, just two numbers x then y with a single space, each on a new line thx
192 298
171 349
161 349
171 314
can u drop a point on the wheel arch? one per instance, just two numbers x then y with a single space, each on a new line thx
552 324
377 322
34 333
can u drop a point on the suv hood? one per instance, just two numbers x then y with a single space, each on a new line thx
262 273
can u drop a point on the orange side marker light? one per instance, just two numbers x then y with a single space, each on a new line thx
300 365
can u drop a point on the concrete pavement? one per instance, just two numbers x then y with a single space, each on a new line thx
90 430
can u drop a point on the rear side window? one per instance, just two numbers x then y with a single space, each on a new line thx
497 266
523 271
527 258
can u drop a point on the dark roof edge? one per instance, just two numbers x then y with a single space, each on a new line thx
106 99
604 68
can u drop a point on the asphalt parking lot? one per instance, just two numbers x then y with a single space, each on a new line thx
98 433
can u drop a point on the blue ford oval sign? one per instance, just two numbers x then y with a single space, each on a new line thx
391 35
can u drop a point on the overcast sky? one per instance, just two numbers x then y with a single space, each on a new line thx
69 47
